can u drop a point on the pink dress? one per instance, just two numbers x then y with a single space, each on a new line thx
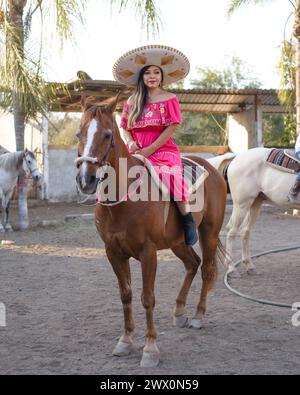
166 160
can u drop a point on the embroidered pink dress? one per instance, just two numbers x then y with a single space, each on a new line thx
155 118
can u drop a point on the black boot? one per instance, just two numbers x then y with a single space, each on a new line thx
292 196
189 227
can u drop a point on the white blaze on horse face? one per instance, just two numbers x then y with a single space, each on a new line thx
90 138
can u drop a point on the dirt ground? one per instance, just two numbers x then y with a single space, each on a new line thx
64 316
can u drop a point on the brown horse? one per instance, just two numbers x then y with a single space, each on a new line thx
137 228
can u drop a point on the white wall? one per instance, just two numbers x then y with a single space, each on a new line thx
241 131
62 173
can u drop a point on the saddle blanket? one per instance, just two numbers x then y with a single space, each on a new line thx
193 173
278 159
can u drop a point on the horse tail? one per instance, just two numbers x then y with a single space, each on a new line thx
222 255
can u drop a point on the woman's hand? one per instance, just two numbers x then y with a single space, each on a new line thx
132 146
147 151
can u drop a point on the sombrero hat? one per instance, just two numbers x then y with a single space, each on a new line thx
175 64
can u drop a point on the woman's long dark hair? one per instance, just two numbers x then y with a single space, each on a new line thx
140 97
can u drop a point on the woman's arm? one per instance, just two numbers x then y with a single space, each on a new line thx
161 140
127 137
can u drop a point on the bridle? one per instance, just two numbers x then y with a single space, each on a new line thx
94 160
31 171
105 163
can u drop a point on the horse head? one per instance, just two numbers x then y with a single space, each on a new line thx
27 162
96 141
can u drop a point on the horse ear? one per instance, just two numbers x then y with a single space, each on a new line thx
85 105
111 106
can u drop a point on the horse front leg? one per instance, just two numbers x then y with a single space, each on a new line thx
121 267
148 259
6 224
2 229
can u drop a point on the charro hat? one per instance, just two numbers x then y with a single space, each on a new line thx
174 64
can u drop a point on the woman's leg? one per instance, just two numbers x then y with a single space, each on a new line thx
189 226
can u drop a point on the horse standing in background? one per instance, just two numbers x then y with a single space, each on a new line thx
13 164
252 180
137 228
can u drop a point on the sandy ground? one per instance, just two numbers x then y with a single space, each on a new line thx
64 316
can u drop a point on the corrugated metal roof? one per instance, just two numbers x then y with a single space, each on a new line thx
194 100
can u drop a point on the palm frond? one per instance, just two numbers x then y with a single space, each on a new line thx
235 4
146 10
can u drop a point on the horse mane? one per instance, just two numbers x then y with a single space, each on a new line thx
10 160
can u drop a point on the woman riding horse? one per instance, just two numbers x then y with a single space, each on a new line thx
139 228
149 121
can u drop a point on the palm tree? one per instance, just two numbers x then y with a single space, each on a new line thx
235 4
23 89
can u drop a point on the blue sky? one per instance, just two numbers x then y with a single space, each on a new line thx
199 28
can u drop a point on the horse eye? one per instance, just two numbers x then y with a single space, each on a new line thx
29 162
78 134
107 136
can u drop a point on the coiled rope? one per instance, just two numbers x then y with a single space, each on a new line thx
262 301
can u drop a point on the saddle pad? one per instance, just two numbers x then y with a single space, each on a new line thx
194 174
278 159
290 153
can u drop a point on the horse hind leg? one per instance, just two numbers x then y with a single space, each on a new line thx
245 235
240 215
191 262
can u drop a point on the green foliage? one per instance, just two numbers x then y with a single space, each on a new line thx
279 130
62 130
235 76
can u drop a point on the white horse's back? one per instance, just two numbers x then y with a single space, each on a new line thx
249 175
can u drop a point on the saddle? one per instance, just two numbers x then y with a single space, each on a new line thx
193 173
290 153
284 160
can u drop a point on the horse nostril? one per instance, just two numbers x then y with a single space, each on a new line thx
90 179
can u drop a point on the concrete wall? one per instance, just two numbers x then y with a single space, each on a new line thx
241 131
62 173
245 129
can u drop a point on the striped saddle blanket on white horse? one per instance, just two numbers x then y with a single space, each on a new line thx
283 160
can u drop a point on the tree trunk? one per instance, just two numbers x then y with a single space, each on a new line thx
16 9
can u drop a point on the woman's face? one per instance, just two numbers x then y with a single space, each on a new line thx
152 77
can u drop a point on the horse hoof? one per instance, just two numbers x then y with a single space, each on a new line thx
149 359
180 321
197 324
122 349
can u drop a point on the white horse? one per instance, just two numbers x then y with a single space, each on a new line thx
12 165
251 181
